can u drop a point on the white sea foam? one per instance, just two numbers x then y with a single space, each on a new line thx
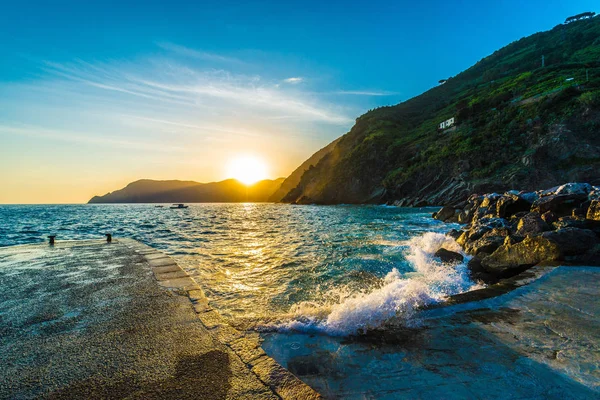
399 296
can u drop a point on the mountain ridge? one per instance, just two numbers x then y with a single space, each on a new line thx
176 191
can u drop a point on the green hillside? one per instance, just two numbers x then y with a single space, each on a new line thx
518 124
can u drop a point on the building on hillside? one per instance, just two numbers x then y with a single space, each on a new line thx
446 124
579 17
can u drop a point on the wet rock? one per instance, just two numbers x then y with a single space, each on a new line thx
593 212
510 259
454 233
478 273
448 257
445 213
560 204
572 241
486 244
530 224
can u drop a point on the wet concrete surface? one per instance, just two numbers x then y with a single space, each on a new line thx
88 320
539 341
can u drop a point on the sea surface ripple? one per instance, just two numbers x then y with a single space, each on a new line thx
333 269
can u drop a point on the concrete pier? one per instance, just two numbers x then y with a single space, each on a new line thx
540 340
91 319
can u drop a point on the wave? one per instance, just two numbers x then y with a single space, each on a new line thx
399 297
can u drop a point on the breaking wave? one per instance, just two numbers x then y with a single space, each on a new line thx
399 296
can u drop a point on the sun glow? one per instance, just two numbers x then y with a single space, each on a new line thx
247 169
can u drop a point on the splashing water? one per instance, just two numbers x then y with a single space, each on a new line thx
401 295
336 269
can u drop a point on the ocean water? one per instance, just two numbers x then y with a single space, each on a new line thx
336 270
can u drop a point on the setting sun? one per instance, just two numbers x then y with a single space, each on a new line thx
247 169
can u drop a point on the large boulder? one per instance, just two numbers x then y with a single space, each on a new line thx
510 204
575 188
593 211
572 241
445 213
486 244
560 204
449 257
480 228
509 259
531 224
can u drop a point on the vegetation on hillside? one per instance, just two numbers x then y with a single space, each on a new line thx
508 107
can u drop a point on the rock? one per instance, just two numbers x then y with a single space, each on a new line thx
580 212
529 197
465 217
574 188
489 199
454 233
548 192
549 217
570 222
486 244
561 204
511 259
572 241
448 257
593 212
530 224
478 273
591 257
445 213
479 228
506 206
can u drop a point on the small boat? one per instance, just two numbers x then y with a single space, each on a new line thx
159 206
178 206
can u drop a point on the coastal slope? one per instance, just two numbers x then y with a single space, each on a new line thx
527 116
173 191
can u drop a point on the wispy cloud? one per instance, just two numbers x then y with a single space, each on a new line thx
202 89
80 137
294 80
202 55
364 92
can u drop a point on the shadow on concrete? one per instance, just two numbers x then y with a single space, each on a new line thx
196 377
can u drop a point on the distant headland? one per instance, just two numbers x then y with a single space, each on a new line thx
174 191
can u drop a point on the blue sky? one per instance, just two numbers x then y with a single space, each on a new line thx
96 94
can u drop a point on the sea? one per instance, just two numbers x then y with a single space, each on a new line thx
334 270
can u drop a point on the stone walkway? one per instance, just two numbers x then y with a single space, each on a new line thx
86 319
540 341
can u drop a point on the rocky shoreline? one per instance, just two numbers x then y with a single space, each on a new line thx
509 233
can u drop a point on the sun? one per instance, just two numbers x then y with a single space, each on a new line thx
247 169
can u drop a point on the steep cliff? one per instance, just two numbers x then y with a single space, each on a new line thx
517 123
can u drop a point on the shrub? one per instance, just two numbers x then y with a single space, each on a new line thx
590 99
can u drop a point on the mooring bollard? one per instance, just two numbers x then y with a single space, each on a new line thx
108 237
51 239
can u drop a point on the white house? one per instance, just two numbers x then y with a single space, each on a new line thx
446 124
